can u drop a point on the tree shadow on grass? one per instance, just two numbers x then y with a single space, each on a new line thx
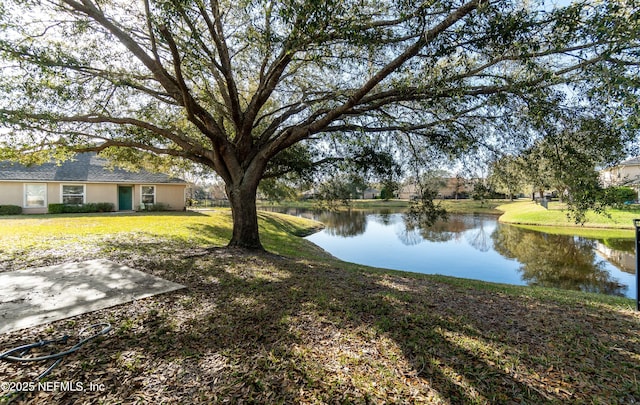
266 329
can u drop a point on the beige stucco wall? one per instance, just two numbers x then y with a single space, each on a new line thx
169 194
410 191
172 195
620 175
12 193
54 193
35 210
100 193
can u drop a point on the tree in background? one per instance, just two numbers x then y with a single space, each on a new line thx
459 183
389 189
506 175
234 86
341 189
567 157
481 191
423 210
536 170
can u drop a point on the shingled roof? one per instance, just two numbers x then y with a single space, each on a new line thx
84 167
631 162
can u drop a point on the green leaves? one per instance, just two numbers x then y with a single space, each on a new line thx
234 85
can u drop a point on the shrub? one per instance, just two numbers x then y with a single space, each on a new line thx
10 210
56 208
105 207
618 196
83 208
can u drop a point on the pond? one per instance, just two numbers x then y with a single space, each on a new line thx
478 247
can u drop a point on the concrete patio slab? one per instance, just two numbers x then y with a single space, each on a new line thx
41 295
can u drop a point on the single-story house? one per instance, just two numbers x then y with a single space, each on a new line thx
370 194
408 191
87 178
451 187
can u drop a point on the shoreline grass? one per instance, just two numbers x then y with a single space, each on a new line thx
615 224
297 326
462 206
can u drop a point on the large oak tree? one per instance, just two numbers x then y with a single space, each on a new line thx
241 85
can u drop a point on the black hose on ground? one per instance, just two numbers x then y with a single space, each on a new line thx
18 354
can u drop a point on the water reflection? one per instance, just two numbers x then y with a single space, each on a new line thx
558 261
440 231
480 238
477 247
344 223
384 216
621 252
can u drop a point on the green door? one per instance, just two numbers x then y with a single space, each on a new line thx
125 200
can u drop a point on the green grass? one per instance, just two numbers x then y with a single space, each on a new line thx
177 225
357 204
86 234
301 327
204 228
528 212
592 233
569 297
469 206
466 206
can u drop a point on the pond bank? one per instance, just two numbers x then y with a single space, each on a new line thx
614 224
476 246
466 206
300 327
525 213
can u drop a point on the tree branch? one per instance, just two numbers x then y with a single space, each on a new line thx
182 141
216 31
297 134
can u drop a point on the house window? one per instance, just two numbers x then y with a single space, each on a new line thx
35 195
73 194
148 194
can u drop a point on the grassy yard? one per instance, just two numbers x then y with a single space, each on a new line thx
45 239
296 326
469 206
618 223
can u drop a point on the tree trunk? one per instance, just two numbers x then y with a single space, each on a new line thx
245 216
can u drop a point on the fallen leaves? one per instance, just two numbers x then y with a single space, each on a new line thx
260 328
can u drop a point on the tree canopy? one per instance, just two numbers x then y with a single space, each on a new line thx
234 85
